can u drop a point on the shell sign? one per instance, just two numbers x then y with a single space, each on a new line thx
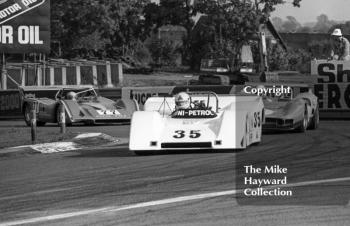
24 26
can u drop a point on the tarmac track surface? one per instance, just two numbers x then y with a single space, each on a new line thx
115 187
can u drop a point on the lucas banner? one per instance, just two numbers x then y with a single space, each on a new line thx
25 26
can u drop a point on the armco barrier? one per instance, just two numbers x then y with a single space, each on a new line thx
330 105
9 104
141 94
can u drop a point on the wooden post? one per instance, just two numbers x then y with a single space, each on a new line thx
4 78
62 118
52 76
78 74
94 75
64 76
44 69
33 122
120 73
3 73
23 76
39 75
109 74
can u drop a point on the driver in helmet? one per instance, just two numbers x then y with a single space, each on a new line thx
71 95
182 101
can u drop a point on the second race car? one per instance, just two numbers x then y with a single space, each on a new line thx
81 104
201 120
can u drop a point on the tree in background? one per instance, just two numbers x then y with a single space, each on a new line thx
78 24
229 24
278 23
323 24
291 25
117 28
320 49
293 59
169 12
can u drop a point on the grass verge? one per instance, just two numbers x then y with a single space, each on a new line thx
18 136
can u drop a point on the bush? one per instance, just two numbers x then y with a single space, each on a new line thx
293 59
165 50
320 49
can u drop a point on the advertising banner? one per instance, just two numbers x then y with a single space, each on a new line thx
141 94
25 26
332 84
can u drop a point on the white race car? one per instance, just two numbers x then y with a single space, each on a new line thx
210 121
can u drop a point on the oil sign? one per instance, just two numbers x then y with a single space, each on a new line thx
24 26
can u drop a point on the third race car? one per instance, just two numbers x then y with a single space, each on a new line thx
297 110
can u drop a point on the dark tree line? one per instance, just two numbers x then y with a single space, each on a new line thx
115 28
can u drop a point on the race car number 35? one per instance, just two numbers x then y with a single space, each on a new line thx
192 134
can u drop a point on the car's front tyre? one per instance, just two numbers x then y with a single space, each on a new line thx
68 122
315 120
305 122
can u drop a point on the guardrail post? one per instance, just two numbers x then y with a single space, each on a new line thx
23 76
78 74
64 76
120 73
52 76
33 122
39 75
3 79
62 118
94 75
109 74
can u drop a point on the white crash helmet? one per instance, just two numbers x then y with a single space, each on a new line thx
182 101
71 95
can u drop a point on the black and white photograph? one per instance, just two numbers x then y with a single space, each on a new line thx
175 112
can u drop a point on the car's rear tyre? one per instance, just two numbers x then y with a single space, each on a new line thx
305 122
315 119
